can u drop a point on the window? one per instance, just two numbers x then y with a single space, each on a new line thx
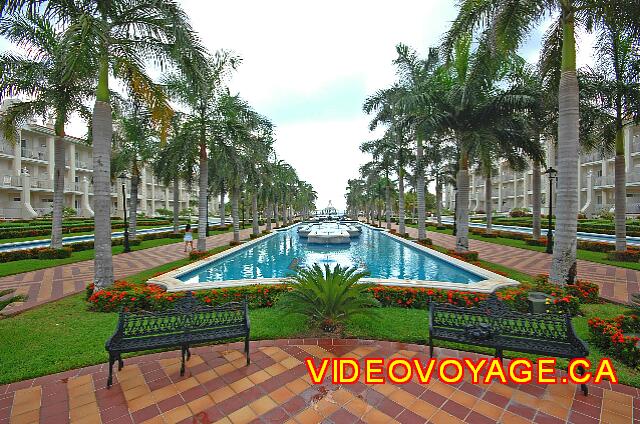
16 199
599 199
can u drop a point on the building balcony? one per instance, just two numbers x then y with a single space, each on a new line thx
34 155
591 157
11 181
635 145
42 184
83 165
6 150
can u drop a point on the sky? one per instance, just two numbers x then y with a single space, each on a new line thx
309 66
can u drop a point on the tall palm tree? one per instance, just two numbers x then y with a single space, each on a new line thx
612 90
136 143
201 94
509 22
40 77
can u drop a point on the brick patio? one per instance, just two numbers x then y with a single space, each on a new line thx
47 285
275 388
616 284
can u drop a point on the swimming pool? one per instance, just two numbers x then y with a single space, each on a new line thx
387 258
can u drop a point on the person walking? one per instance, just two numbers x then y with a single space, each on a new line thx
188 237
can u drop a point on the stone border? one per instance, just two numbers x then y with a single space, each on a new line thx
491 282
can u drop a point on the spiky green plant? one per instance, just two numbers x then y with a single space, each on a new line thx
328 297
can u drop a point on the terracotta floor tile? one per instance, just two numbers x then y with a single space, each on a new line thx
487 409
155 420
242 416
326 406
83 399
281 395
263 405
424 409
184 385
290 363
205 376
441 388
241 385
554 409
26 418
610 417
275 369
259 377
177 414
90 419
402 398
221 394
142 402
297 386
308 416
200 404
376 417
442 417
463 398
83 411
385 389
164 393
357 407
511 418
224 369
136 392
617 408
618 397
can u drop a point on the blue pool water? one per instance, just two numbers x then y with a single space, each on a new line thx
381 255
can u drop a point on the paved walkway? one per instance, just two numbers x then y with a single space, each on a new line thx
275 388
616 284
47 285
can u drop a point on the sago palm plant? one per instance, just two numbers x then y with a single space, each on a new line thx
328 297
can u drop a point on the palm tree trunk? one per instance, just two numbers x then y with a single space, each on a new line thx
488 201
58 188
285 218
462 206
422 231
268 215
102 131
235 197
203 197
223 219
438 201
536 186
176 206
620 192
254 211
276 212
133 204
401 228
563 266
387 195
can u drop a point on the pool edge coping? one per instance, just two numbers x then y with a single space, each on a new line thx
491 282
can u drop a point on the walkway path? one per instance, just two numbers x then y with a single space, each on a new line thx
616 284
47 285
218 388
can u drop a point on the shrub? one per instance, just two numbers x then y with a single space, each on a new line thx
585 291
195 255
489 235
536 242
606 215
469 256
425 242
594 246
609 335
253 236
49 253
328 297
519 212
234 243
626 256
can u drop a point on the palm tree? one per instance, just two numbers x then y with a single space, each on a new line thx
612 91
114 38
40 77
136 143
201 94
176 161
509 21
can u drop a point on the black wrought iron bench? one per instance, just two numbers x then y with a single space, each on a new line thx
189 323
494 325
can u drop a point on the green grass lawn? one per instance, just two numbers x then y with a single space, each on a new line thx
17 267
585 255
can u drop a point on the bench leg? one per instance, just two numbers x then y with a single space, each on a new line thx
430 347
246 349
499 354
112 360
120 362
183 354
188 353
583 386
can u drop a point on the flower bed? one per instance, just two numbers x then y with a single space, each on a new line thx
612 336
629 255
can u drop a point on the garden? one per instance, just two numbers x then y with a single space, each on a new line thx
71 332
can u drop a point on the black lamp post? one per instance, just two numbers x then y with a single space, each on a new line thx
123 178
553 175
242 205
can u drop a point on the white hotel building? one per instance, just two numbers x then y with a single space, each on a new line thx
595 176
26 179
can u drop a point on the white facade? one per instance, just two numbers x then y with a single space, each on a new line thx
26 179
595 177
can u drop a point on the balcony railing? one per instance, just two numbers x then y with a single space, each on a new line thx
605 180
41 184
34 154
592 157
507 193
633 177
635 145
6 149
11 181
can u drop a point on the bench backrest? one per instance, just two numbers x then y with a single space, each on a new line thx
187 315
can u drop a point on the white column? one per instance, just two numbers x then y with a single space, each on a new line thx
26 210
166 197
51 149
143 190
499 208
17 157
85 207
153 196
525 185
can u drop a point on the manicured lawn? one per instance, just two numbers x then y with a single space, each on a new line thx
17 267
585 255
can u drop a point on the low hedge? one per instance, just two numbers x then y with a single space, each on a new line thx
49 253
629 255
612 336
